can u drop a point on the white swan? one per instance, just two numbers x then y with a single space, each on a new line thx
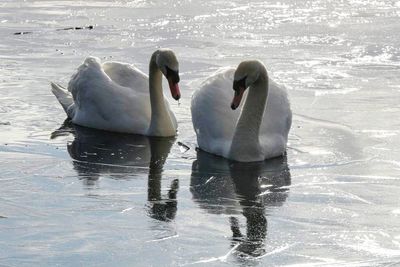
258 130
120 98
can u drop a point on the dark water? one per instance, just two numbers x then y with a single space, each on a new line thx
74 196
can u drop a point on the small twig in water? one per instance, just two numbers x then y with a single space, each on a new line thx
90 27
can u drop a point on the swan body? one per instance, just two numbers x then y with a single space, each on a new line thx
119 97
257 129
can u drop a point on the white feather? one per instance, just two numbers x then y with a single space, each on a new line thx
113 97
215 122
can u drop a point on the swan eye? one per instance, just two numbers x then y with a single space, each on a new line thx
172 75
239 84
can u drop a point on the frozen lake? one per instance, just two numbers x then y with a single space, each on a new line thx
72 196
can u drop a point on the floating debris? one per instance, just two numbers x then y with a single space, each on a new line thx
182 147
21 33
90 27
126 210
210 179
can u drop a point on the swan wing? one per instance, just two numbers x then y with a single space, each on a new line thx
129 76
213 119
104 104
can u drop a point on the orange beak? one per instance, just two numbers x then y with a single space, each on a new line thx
174 87
237 97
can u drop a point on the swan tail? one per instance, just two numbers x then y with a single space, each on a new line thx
64 97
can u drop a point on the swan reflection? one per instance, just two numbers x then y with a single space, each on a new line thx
220 186
98 153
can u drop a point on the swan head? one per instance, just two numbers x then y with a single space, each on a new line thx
246 74
169 66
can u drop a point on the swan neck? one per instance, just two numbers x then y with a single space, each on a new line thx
160 123
246 137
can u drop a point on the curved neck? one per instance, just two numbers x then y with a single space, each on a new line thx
245 141
160 123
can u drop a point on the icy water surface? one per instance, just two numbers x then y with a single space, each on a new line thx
72 196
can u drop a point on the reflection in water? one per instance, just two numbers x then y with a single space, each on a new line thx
163 209
227 187
97 153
